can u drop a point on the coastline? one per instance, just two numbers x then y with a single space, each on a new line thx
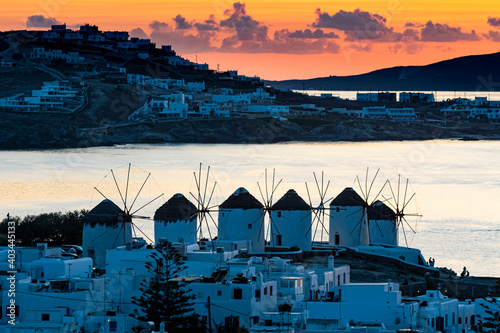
237 131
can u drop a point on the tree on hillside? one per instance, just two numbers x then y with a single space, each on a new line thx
163 299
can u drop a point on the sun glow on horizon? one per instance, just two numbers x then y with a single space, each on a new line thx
388 33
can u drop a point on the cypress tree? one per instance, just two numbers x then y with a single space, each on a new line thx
164 300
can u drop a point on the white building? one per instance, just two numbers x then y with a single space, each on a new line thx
367 97
382 224
196 86
271 109
291 219
401 114
175 221
416 97
117 35
241 218
347 215
177 61
105 227
71 57
137 79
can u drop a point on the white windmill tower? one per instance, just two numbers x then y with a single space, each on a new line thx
175 221
108 226
346 211
241 218
292 216
383 226
349 221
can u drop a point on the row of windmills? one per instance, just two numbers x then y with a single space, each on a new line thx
246 224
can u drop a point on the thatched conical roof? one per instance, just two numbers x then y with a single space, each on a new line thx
177 208
291 201
348 198
380 211
241 199
106 212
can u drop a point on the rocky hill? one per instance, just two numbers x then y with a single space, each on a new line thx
470 73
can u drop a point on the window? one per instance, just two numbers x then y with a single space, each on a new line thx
45 317
237 293
433 323
249 226
279 214
265 291
270 290
460 320
344 278
113 326
338 280
257 293
337 239
278 240
219 292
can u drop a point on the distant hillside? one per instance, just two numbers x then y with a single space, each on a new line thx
470 73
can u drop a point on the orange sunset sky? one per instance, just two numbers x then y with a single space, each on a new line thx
285 39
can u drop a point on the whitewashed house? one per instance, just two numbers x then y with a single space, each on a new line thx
271 109
196 86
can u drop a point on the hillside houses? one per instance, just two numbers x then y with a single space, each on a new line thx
53 96
39 53
379 112
478 108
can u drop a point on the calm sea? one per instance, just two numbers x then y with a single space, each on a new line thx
457 184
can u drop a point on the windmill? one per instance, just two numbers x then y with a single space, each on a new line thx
272 233
400 201
110 224
204 206
349 222
319 212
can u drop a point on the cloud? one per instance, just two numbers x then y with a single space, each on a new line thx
247 29
357 20
493 36
40 21
209 25
181 23
358 25
413 25
239 32
444 33
138 33
159 26
318 33
408 48
494 21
